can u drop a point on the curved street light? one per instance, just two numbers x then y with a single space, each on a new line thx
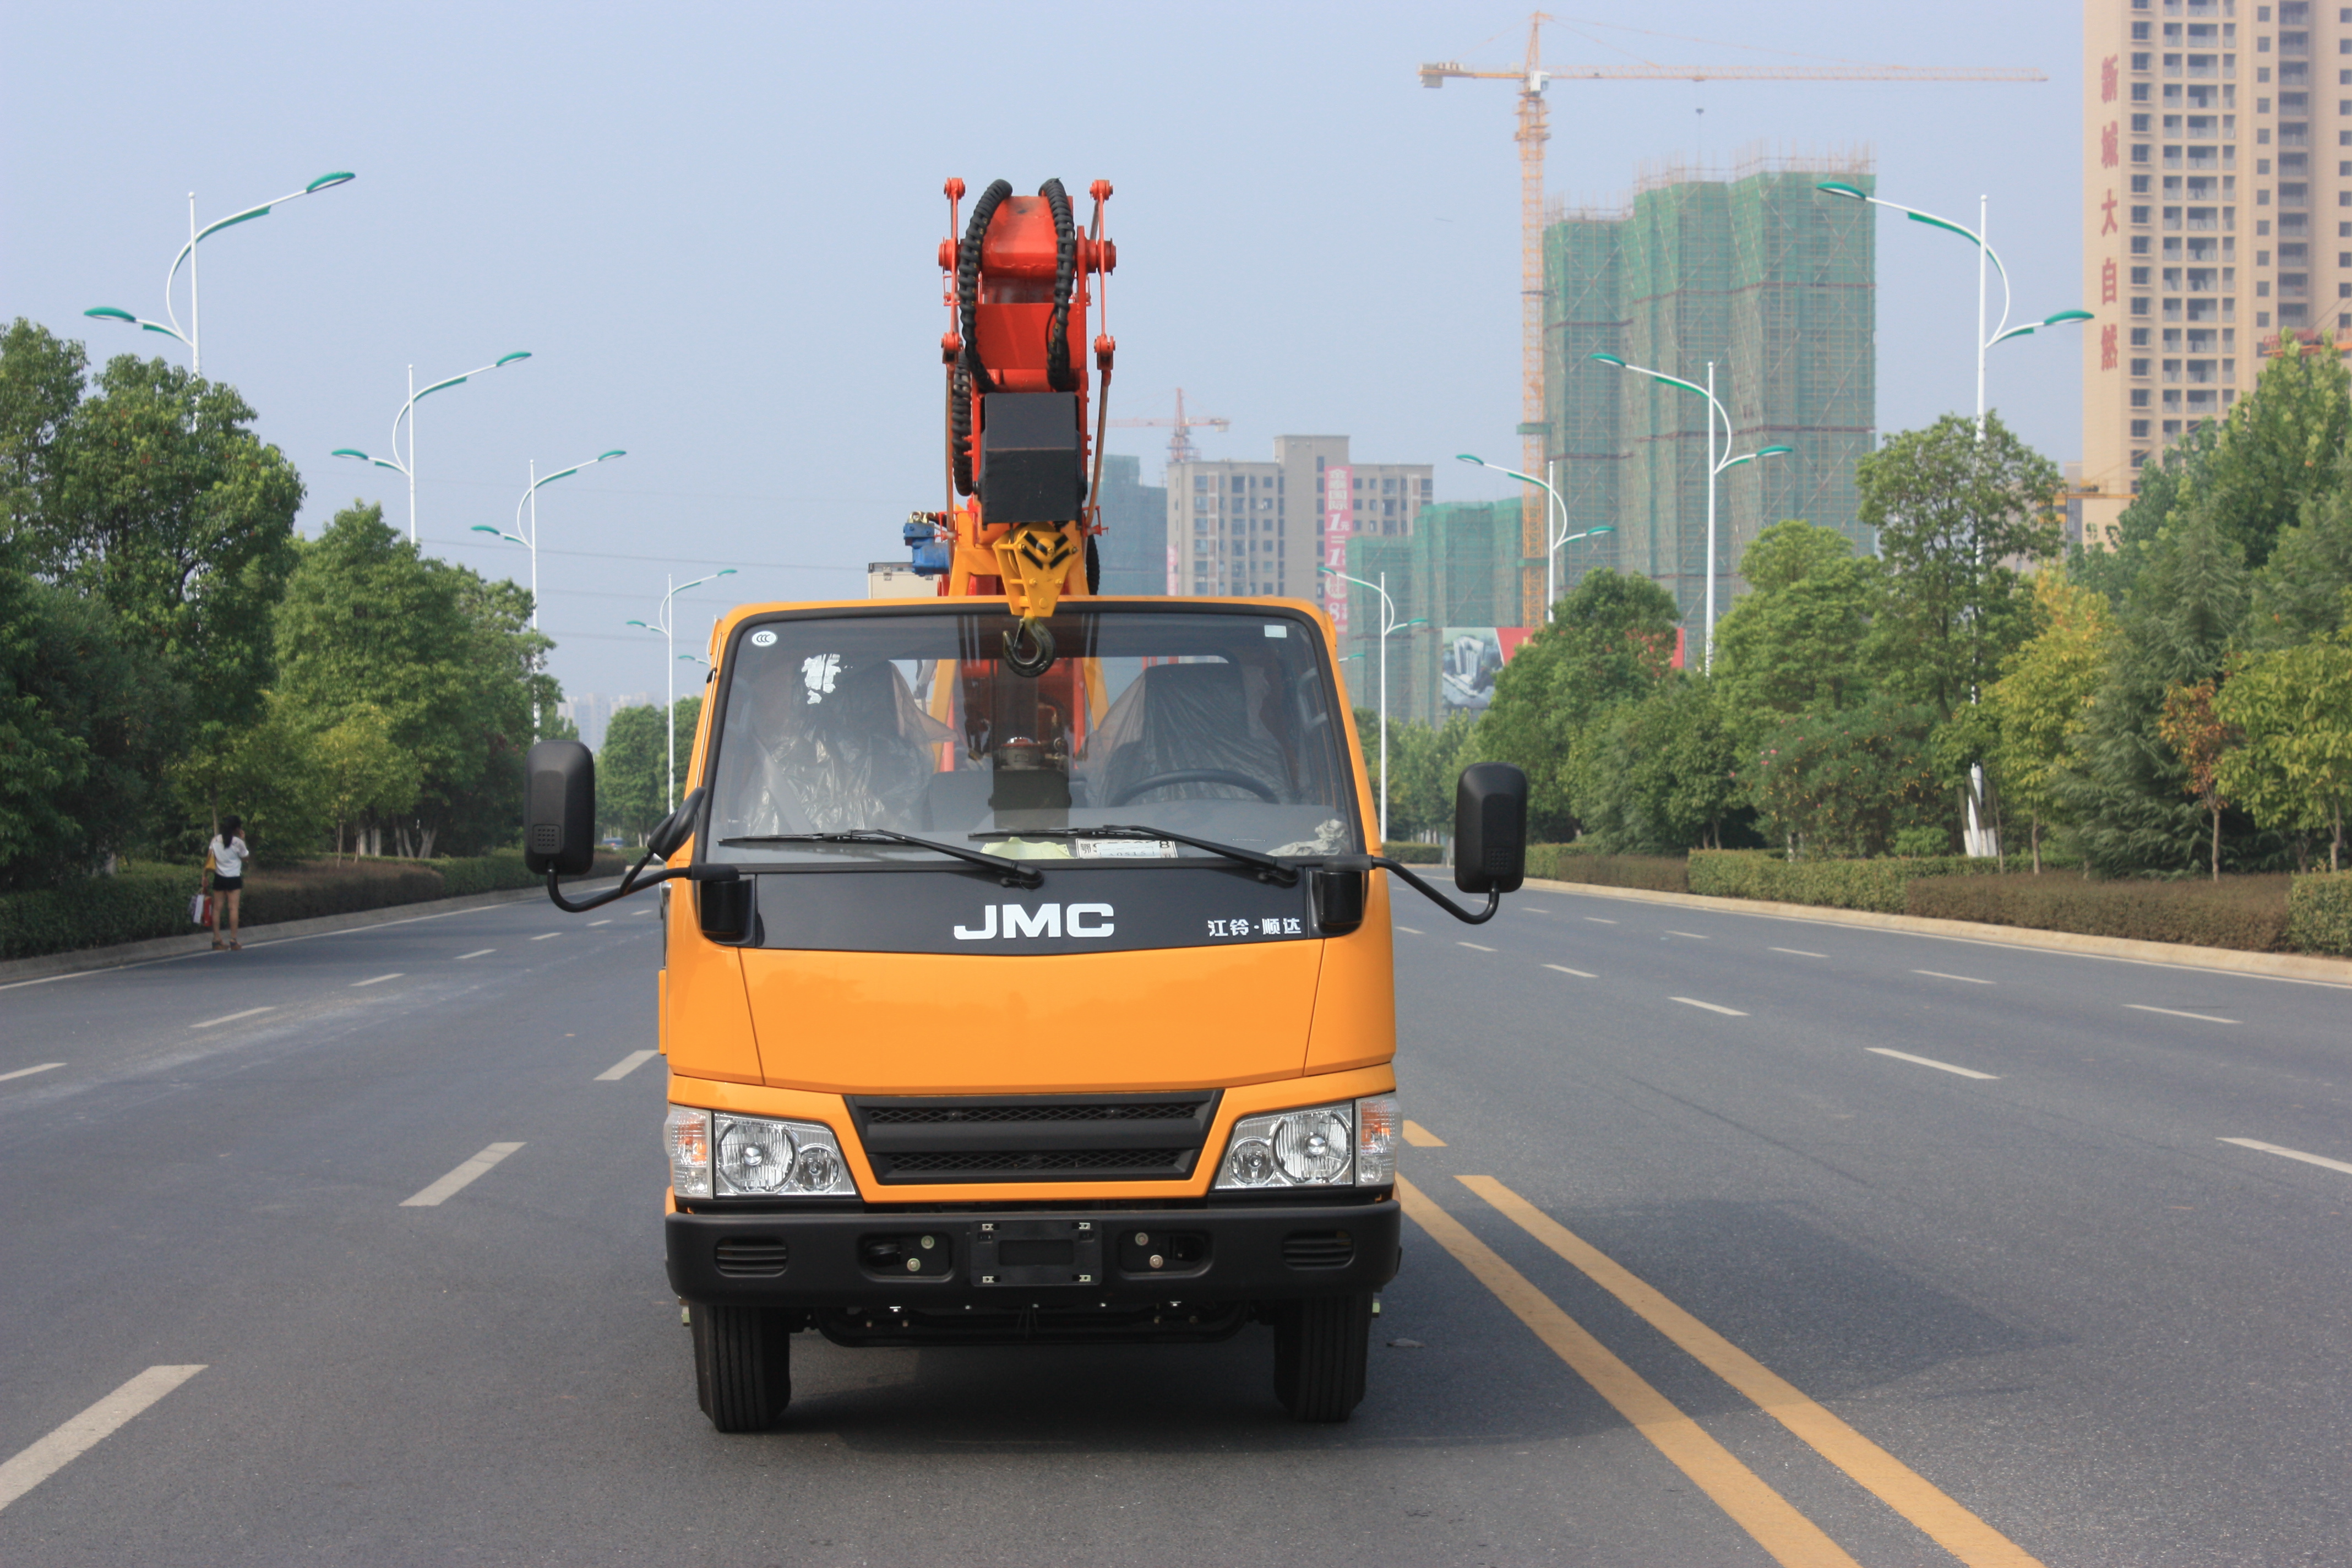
1389 627
2002 331
531 542
1715 466
407 466
661 623
193 336
1552 540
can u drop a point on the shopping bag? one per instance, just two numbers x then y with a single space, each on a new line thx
200 908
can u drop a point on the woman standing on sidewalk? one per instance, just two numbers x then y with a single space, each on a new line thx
225 857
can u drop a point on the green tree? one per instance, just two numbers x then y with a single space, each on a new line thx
2279 448
2123 788
2294 707
154 495
266 771
2202 740
85 732
447 658
1609 640
41 378
1794 642
629 772
2039 705
1664 770
362 769
1846 784
2299 592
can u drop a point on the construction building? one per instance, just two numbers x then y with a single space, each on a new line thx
1263 528
1460 572
1754 271
1134 543
2215 185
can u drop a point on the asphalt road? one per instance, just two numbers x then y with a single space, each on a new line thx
1701 1272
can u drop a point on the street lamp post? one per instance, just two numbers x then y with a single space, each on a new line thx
193 336
406 466
1389 627
1980 840
531 542
1554 508
1716 414
2002 331
662 623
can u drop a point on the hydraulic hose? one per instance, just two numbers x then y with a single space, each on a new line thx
1066 266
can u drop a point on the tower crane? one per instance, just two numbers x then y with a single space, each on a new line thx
1180 442
1534 131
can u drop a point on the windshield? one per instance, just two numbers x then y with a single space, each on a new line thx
1217 725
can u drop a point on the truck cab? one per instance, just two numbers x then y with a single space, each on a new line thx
1015 1005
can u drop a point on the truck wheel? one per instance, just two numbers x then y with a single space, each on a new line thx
742 1365
1319 1347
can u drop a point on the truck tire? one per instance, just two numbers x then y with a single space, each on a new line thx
742 1365
1319 1349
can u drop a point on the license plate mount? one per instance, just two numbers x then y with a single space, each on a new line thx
1032 1252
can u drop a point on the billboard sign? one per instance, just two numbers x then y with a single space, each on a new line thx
1469 661
1338 527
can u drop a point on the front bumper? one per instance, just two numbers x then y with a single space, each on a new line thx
1034 1257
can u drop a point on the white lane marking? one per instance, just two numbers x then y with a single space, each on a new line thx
545 934
625 1065
1694 1002
232 1017
377 981
593 924
1564 969
28 1072
1531 909
1930 1062
477 952
2176 1013
84 1432
1799 953
1692 934
2291 1153
1474 945
1596 920
1940 975
458 1180
1409 931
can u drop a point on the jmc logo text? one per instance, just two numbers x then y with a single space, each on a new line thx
1047 919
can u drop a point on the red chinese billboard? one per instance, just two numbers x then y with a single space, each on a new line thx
1338 527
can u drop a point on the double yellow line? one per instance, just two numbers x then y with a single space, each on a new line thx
1791 1538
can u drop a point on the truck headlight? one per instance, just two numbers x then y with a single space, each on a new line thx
1352 1143
717 1155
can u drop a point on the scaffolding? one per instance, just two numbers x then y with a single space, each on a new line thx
1462 568
1750 267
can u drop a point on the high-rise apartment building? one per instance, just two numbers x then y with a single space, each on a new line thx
2217 214
1263 528
1751 270
1134 545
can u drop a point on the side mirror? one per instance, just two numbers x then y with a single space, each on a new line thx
1490 828
558 830
676 827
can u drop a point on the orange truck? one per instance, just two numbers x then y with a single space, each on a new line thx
1031 980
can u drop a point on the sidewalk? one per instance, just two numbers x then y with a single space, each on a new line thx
198 942
2310 967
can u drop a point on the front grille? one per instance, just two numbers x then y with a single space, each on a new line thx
1018 1138
939 1115
1001 1164
751 1257
1318 1249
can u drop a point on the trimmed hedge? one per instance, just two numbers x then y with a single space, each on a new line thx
141 902
2246 912
2320 913
1878 885
1415 854
1568 863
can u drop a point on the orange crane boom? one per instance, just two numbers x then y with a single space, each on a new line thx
1534 131
1180 442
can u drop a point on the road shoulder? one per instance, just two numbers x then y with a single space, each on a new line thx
2310 967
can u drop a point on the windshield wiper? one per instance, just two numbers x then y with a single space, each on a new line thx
1012 873
1269 869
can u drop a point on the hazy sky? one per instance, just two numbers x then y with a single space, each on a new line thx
714 228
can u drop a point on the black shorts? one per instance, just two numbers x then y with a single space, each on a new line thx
228 884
